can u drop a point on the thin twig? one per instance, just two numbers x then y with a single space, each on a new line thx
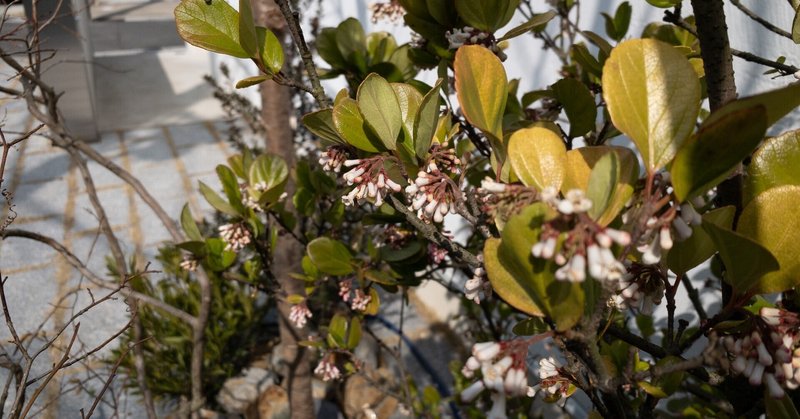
765 23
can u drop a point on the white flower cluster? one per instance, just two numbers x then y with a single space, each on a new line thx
327 370
333 159
236 236
360 301
468 35
687 217
771 356
429 195
658 236
477 285
189 263
371 181
299 315
640 292
504 374
551 379
586 249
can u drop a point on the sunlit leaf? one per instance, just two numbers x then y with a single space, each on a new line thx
251 81
381 109
350 125
270 50
517 293
189 225
330 256
778 103
538 19
538 157
247 29
770 220
212 26
771 167
653 96
482 88
715 150
427 121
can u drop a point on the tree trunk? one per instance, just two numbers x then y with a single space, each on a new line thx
276 109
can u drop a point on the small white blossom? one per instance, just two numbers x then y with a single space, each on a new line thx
327 370
299 315
360 301
236 236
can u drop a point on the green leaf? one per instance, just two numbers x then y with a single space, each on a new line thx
351 126
328 49
745 260
538 156
778 103
216 201
247 29
603 182
230 185
578 104
268 174
582 56
561 301
796 26
617 26
517 293
769 167
354 333
381 109
579 165
426 121
530 327
409 99
664 4
486 15
538 19
270 50
351 40
653 96
779 408
330 256
770 219
690 253
212 26
337 331
320 123
716 150
252 81
482 88
189 225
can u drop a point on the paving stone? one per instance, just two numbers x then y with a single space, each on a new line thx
44 167
17 253
115 204
202 158
190 135
149 153
36 200
30 296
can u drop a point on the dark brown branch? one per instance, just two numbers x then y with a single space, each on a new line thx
712 32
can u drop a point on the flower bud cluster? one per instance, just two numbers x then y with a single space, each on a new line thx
370 179
641 288
236 236
576 243
189 263
299 315
390 12
360 301
472 36
654 241
477 285
503 371
770 353
552 381
433 194
686 218
333 158
327 368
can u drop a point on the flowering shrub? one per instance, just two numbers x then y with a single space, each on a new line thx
575 234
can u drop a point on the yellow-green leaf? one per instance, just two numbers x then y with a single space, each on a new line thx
320 123
247 29
578 169
538 157
653 96
270 50
427 121
251 81
482 88
796 27
771 220
716 150
774 164
516 293
350 125
538 20
778 103
212 26
746 261
381 110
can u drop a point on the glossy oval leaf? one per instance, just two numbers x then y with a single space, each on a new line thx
189 225
268 174
247 29
427 121
603 181
381 110
518 294
320 123
653 96
212 26
486 15
716 150
579 165
561 301
777 102
771 220
482 88
251 81
350 125
746 261
690 253
578 104
538 157
270 50
330 256
774 164
538 20
216 201
350 39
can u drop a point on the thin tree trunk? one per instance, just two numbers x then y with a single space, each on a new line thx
276 108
